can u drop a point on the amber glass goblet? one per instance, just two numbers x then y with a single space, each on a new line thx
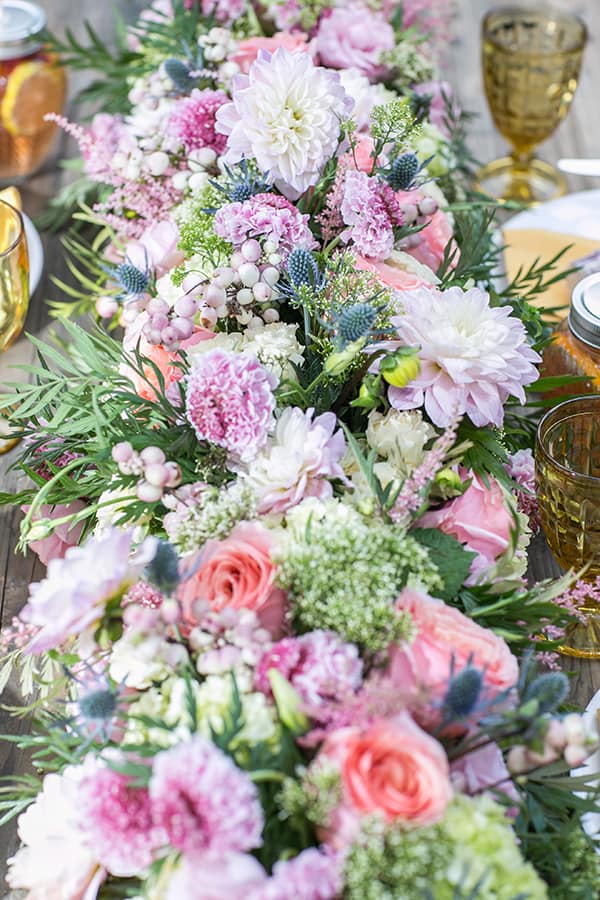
567 458
14 291
531 60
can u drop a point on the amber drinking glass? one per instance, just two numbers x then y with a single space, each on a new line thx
14 290
531 60
567 460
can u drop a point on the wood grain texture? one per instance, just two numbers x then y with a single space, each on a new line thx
579 135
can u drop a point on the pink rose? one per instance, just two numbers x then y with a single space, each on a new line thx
362 154
392 767
390 274
355 37
64 536
156 248
148 387
248 50
444 636
479 518
433 238
237 572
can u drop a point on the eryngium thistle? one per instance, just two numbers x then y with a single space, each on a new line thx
463 693
179 73
403 171
163 571
303 269
549 689
355 322
132 280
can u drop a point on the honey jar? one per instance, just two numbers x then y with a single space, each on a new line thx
31 85
575 347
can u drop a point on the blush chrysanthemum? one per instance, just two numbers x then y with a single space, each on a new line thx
230 402
203 801
473 356
285 114
192 121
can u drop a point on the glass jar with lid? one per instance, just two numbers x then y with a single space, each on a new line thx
31 85
575 346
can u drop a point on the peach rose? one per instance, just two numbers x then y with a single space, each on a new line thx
392 767
362 155
433 237
479 518
444 635
236 572
249 49
148 387
393 274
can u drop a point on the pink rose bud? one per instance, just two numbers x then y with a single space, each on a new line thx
148 493
122 452
152 455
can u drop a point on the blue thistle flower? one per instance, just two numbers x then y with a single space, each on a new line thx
303 270
243 183
99 705
179 73
356 322
163 571
131 279
402 172
549 689
463 693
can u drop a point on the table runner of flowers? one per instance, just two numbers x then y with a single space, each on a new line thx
285 647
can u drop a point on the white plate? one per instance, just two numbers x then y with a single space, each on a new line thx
577 214
36 254
591 820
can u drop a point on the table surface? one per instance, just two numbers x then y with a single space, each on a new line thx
579 135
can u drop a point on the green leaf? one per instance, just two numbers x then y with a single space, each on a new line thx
450 557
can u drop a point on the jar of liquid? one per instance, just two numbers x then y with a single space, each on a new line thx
31 85
575 347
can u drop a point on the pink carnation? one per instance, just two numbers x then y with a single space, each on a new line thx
118 820
265 215
230 402
319 665
479 518
238 573
192 121
354 37
371 211
249 48
203 801
445 637
473 356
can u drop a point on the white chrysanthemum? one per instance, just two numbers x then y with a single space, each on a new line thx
286 114
473 356
56 859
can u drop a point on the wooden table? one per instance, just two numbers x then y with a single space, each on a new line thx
578 136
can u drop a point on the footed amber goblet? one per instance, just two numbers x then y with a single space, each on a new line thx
531 60
567 458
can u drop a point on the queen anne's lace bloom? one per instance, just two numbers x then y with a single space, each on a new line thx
203 801
286 114
230 402
473 356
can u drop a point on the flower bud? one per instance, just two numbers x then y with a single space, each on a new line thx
288 703
38 530
338 362
401 367
450 481
369 395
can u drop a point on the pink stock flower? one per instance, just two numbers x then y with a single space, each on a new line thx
156 248
479 518
304 454
285 114
73 596
64 536
237 572
216 876
445 637
265 215
473 356
202 801
354 37
248 49
318 665
391 767
371 211
230 401
118 820
193 119
312 875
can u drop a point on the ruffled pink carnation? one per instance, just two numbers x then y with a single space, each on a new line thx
319 665
371 210
203 801
312 875
118 820
249 48
265 215
473 356
192 121
354 37
230 402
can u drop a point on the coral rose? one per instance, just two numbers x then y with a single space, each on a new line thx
236 572
479 518
434 237
249 49
392 767
148 387
445 636
396 272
